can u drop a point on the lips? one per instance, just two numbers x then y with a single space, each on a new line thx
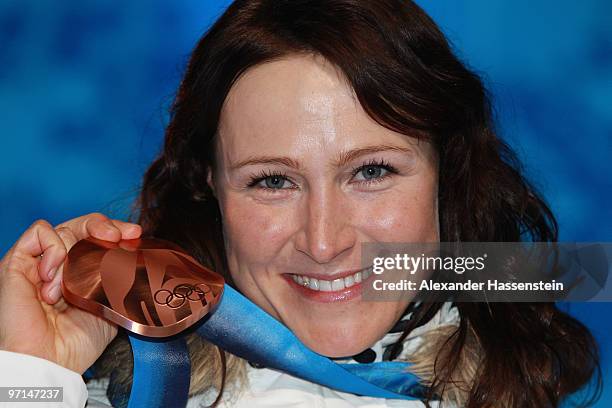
332 285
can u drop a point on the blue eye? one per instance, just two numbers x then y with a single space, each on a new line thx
269 181
373 172
274 182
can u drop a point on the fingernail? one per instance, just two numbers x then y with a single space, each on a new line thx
52 273
56 292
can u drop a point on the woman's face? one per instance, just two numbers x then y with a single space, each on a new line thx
304 176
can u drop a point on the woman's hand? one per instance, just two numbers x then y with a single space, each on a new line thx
34 318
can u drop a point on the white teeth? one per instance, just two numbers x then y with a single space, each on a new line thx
336 284
324 286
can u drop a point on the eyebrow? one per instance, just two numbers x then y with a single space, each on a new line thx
342 159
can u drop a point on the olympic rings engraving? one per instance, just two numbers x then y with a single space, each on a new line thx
180 294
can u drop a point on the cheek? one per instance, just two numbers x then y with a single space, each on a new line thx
253 231
408 215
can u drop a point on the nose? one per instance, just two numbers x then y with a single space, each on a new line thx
326 227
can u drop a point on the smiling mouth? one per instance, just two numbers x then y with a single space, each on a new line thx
334 285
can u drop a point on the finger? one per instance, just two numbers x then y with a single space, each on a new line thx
51 291
128 230
95 225
67 236
41 239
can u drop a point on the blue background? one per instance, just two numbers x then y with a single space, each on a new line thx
85 86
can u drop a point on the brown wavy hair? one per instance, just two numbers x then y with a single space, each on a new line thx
408 79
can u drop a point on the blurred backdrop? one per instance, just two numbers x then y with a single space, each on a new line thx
85 87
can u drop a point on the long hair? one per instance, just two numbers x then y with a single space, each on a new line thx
407 78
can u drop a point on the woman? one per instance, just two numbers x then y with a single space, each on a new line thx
301 130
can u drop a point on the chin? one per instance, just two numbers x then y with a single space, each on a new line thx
336 342
332 351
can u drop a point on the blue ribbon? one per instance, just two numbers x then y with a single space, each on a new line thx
162 368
